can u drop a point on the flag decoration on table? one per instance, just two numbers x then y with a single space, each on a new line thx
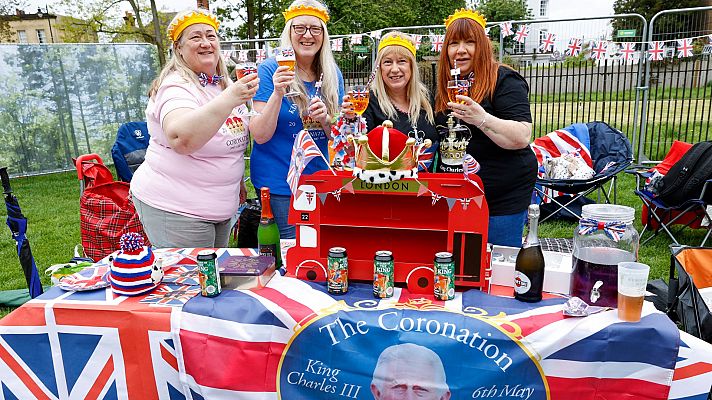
261 55
242 55
575 46
684 48
173 295
436 42
547 43
303 151
656 52
627 51
599 49
506 28
522 33
337 44
182 275
356 39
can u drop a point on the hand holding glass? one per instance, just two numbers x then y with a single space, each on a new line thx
358 96
244 69
286 57
632 280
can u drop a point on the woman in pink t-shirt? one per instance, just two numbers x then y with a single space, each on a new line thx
190 185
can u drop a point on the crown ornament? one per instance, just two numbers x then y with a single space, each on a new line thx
386 155
466 13
397 40
196 17
454 145
295 11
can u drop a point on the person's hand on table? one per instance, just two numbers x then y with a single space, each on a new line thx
469 111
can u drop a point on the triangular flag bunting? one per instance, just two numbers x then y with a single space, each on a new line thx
422 189
465 202
450 202
322 197
349 187
478 200
337 194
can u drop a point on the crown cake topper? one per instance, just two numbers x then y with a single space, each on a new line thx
374 163
466 13
397 40
196 17
295 11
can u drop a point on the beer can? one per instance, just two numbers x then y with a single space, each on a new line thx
444 282
338 270
383 274
208 273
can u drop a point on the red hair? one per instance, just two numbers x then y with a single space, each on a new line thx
484 64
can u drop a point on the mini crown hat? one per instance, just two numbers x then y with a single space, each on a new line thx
374 163
397 40
134 270
295 11
196 17
466 13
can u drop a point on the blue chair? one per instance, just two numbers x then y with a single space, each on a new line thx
129 149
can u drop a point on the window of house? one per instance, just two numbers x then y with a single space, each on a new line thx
544 8
518 48
41 37
22 36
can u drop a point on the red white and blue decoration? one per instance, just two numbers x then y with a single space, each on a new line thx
522 33
436 42
627 51
684 48
547 43
574 48
134 270
304 150
656 52
337 44
614 230
506 28
599 49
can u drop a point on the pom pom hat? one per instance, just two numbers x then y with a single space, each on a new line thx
134 271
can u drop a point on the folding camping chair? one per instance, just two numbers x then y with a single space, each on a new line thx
129 149
657 216
610 153
690 294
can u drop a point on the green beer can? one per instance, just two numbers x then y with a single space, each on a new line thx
338 270
383 274
208 273
444 282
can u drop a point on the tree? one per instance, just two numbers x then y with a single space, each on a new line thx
672 24
7 10
504 10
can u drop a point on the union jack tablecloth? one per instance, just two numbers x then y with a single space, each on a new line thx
270 343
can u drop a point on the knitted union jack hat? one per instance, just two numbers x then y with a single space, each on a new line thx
134 271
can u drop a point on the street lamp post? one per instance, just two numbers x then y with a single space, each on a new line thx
49 20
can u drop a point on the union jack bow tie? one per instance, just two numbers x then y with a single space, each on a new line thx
204 79
613 230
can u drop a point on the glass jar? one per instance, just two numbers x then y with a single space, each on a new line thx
604 237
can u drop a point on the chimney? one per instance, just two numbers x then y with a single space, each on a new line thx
129 19
19 12
204 4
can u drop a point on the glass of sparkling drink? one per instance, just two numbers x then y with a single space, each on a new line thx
358 96
632 280
458 87
242 70
286 57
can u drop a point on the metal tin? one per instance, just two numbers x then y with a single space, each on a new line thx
383 274
208 273
338 270
444 282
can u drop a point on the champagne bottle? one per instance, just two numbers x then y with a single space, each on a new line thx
529 267
267 231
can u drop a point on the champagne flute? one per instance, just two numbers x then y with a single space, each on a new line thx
286 57
358 96
244 69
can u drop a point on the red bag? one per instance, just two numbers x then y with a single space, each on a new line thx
105 209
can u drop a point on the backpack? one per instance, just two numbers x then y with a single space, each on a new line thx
129 149
687 177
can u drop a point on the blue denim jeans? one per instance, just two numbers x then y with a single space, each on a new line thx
280 209
506 230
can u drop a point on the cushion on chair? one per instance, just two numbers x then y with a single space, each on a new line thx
677 150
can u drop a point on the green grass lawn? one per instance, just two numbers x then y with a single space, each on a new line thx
51 204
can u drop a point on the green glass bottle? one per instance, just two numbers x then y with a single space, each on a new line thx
267 231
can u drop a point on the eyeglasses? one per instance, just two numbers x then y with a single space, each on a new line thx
301 30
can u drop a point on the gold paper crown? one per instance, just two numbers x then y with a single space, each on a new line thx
295 11
466 13
397 40
177 27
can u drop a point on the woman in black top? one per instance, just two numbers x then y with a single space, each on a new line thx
397 93
498 115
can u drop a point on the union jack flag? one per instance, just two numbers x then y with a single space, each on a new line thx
425 157
242 55
613 230
684 48
182 275
575 46
522 33
547 43
436 42
87 279
356 39
304 150
261 55
171 295
418 39
599 49
337 44
506 28
627 50
656 52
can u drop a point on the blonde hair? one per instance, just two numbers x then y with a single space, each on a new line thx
323 64
177 64
417 93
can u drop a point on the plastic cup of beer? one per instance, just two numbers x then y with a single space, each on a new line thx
632 280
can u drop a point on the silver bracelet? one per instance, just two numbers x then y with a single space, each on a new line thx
484 119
